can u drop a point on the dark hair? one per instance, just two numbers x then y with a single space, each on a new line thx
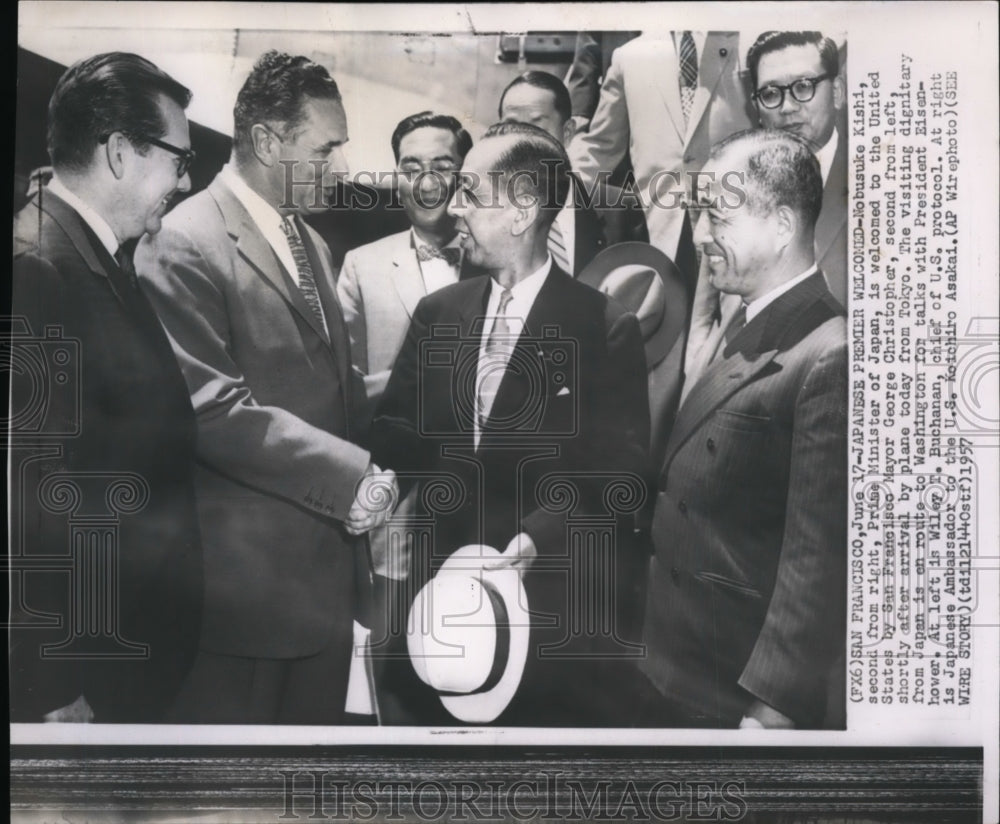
781 170
111 92
274 94
774 41
547 82
463 140
540 163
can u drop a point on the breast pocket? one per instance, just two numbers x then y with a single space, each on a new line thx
737 447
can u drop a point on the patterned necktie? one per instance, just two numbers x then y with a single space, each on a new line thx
557 248
736 325
689 73
708 348
307 282
450 254
494 362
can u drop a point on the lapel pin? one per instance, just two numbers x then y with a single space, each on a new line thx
723 52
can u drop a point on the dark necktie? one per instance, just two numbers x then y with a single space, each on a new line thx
736 324
307 282
689 72
450 254
123 258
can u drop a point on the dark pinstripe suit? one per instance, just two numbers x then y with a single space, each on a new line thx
746 595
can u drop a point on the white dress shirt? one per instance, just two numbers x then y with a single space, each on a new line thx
436 272
87 214
265 216
523 295
825 155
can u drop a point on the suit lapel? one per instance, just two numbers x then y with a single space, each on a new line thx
589 236
257 252
666 78
718 54
833 215
405 274
75 228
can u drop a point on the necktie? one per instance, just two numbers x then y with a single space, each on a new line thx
689 72
124 260
493 364
707 347
737 323
307 282
450 254
557 248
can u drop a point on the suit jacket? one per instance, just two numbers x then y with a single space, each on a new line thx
117 437
575 409
606 218
747 585
639 112
831 227
277 469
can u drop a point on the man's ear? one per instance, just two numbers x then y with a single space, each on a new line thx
525 215
786 224
264 144
839 93
568 130
118 152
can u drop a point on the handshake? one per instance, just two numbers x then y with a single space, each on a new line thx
375 499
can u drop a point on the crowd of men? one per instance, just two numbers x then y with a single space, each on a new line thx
308 443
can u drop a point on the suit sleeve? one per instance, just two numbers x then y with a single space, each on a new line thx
265 447
804 626
614 425
605 144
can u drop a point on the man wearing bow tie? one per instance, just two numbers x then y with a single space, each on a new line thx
527 389
746 608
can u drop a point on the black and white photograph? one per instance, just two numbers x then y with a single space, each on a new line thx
504 412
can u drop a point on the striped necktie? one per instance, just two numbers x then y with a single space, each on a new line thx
494 362
307 282
557 248
689 73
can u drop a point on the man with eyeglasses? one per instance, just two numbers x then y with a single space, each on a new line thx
379 286
246 291
798 88
114 419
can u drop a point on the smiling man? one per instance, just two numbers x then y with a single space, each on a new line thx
523 387
798 89
246 291
745 615
120 150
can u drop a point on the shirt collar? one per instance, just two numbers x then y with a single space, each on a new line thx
826 154
525 290
87 214
756 307
262 212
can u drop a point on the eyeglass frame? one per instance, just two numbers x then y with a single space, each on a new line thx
787 89
186 156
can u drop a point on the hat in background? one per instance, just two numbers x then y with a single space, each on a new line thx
647 283
467 634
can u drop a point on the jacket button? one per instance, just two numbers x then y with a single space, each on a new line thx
710 443
688 159
675 574
683 507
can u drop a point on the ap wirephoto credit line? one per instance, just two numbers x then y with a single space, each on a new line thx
559 412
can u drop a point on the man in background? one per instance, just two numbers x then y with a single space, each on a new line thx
798 88
594 217
117 431
246 291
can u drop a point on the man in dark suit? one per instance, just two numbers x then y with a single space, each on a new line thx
593 218
246 291
746 597
798 88
106 608
526 392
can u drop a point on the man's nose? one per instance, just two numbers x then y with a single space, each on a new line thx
789 104
701 233
336 165
184 184
455 205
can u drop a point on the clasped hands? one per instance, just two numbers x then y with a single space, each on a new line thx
376 497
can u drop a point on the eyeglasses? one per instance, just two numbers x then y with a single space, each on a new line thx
185 157
803 90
